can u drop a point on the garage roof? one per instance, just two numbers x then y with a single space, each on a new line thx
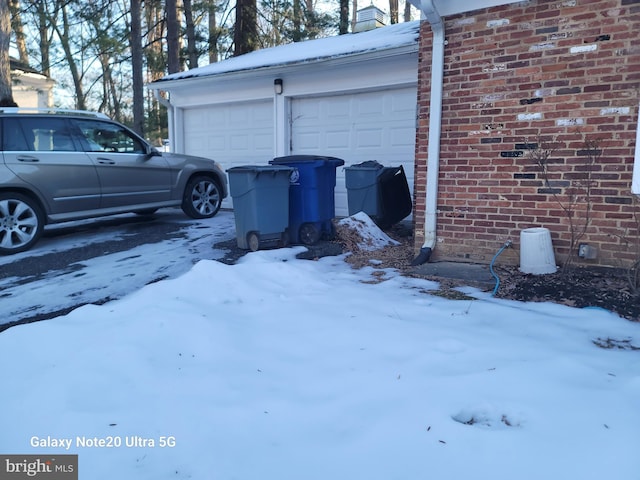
385 38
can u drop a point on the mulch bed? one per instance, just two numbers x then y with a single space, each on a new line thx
581 287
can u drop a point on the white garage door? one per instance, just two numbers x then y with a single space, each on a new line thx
232 134
377 125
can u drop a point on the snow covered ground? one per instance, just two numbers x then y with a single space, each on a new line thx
278 368
118 269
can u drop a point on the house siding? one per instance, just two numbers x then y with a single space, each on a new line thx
521 81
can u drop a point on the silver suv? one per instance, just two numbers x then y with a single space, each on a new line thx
61 165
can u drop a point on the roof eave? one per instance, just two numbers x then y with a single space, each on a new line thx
262 71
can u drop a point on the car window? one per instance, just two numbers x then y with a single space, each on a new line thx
108 137
41 134
13 138
37 134
49 134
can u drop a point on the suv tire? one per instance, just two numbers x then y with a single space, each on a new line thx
202 197
21 222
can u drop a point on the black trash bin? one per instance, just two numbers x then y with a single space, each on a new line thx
311 196
260 205
380 192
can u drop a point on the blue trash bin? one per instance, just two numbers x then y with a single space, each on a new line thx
260 205
311 196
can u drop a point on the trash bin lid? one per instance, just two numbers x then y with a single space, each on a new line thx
305 159
367 164
259 168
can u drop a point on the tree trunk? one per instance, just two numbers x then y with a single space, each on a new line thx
354 15
173 36
6 96
192 51
213 34
135 40
245 35
153 52
343 27
44 38
64 36
17 26
407 12
394 11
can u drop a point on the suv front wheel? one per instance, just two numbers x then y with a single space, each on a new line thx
21 223
202 197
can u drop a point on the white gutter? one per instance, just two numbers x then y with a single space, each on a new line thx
435 127
170 122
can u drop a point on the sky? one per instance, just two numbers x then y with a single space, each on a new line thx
280 368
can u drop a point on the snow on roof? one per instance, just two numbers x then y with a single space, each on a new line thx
393 36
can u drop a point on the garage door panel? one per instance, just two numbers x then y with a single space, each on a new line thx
263 142
372 138
337 108
338 139
369 107
402 137
232 134
309 141
216 143
377 125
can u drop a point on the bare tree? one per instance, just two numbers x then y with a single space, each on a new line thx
407 11
135 41
213 33
38 12
65 34
192 49
394 11
173 36
354 15
245 33
343 26
6 95
18 30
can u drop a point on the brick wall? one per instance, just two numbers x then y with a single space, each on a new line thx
540 109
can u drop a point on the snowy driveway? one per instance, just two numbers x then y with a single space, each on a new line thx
99 260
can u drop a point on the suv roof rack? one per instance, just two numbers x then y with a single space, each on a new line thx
56 111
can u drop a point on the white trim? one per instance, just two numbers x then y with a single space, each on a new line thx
453 7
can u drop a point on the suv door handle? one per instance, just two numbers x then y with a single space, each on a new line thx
106 161
28 159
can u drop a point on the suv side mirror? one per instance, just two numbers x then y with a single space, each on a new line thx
153 151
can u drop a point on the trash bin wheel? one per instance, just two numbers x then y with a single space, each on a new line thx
253 241
284 239
330 234
309 234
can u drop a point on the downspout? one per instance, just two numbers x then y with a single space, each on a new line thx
435 119
170 125
635 179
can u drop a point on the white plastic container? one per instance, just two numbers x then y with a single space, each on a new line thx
536 251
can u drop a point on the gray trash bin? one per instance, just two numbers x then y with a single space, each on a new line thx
361 181
260 196
380 192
